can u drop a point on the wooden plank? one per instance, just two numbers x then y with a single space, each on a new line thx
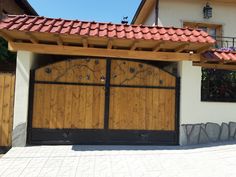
98 107
142 109
68 99
38 110
47 90
6 110
11 108
2 81
60 106
76 114
100 52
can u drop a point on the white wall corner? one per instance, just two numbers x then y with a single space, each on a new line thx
24 64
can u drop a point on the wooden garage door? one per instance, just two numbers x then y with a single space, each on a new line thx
98 101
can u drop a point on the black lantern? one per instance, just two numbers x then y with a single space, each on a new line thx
207 11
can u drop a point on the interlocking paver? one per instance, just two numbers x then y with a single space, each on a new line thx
119 161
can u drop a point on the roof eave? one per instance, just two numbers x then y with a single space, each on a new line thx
24 4
138 11
143 11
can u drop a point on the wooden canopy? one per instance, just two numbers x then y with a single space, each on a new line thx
73 37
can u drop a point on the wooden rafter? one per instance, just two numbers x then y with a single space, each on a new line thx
101 52
158 46
109 44
204 49
58 39
134 46
32 38
181 47
85 42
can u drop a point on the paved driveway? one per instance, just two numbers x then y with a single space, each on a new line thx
119 161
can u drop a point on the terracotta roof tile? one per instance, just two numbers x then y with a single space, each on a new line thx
93 32
103 33
179 32
120 28
145 30
111 34
174 37
162 31
65 30
26 27
55 29
75 27
148 36
103 26
36 27
94 26
219 55
77 24
130 35
74 30
171 31
84 31
193 39
136 29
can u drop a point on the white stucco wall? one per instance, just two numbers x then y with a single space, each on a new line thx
24 64
192 109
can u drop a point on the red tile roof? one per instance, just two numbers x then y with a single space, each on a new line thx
109 30
220 56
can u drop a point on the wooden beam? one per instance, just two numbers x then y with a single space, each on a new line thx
32 38
215 65
204 49
100 52
109 44
6 36
58 39
158 46
85 42
181 47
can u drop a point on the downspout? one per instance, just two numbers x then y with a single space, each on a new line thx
157 12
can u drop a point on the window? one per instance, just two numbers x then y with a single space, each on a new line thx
217 85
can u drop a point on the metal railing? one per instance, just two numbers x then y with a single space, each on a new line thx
227 43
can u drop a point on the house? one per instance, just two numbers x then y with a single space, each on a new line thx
202 118
80 82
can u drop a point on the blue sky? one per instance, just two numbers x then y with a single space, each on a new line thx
90 10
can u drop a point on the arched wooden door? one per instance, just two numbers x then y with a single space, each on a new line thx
102 101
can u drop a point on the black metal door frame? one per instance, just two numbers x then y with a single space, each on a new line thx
101 136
